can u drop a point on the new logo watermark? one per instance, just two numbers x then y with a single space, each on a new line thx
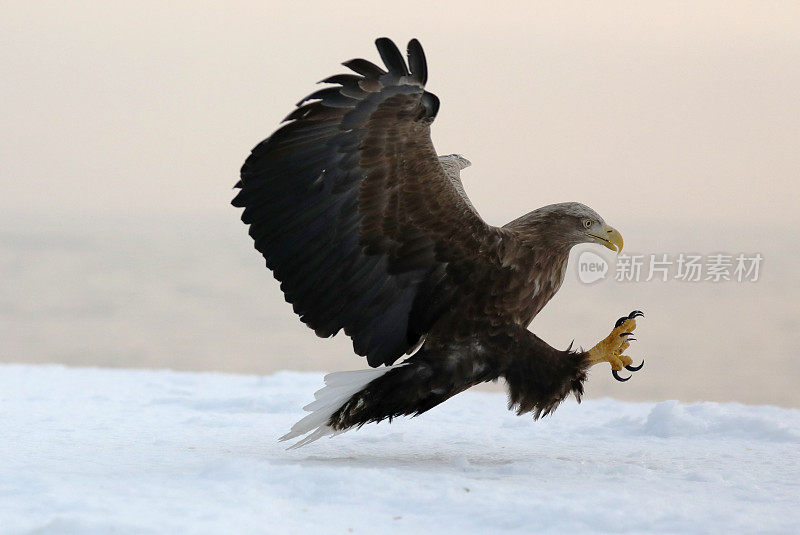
591 267
717 267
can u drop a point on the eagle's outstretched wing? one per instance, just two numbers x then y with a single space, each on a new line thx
354 212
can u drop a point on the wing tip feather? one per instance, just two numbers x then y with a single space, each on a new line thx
417 62
391 57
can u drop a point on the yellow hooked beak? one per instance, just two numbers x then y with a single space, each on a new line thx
612 239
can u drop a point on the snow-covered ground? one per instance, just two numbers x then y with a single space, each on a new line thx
95 451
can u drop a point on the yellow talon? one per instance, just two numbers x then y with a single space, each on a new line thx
611 347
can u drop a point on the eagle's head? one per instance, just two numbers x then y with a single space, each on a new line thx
567 224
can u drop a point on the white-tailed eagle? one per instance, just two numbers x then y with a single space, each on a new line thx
370 231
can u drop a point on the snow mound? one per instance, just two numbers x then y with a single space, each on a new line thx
95 451
671 419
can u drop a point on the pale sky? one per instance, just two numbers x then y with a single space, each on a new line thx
639 109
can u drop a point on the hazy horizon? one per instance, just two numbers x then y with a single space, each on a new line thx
191 293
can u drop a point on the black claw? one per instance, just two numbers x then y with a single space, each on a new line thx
632 315
615 373
631 368
625 334
631 339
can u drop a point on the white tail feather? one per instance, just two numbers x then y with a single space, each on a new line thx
339 387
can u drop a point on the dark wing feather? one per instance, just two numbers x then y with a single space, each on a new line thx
365 68
417 63
391 57
353 212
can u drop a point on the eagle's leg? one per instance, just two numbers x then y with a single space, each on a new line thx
611 348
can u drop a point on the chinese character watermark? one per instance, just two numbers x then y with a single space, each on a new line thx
690 267
629 268
716 268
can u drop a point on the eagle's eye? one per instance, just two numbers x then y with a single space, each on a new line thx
587 223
